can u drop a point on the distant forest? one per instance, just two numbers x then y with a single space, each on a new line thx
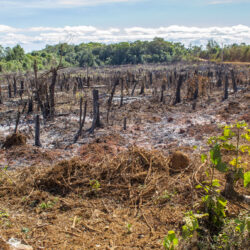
139 52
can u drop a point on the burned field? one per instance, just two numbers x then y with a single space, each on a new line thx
108 158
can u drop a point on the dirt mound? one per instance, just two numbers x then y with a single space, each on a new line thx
234 107
101 147
178 162
58 179
28 155
16 139
245 117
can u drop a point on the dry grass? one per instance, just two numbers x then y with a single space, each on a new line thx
62 209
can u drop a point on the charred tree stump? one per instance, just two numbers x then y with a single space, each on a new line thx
125 123
37 131
134 87
194 105
79 133
226 88
163 88
1 98
151 78
88 79
24 107
96 114
229 191
111 98
219 81
234 82
30 106
80 116
122 87
178 90
14 86
9 90
142 88
21 89
17 121
196 92
52 93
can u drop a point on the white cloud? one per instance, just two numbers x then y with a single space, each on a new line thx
216 2
38 37
46 4
5 28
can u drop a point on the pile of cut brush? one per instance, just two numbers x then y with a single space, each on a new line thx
135 185
133 176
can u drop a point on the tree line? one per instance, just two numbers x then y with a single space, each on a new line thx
98 54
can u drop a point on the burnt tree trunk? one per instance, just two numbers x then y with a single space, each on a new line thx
229 191
30 106
151 78
178 90
163 88
125 123
226 88
37 132
96 114
234 82
111 98
14 86
17 121
82 123
80 116
21 89
133 90
122 87
1 98
196 92
219 81
142 88
52 93
9 90
24 107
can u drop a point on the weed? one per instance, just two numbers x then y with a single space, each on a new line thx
129 228
170 241
215 203
223 233
47 205
192 224
4 219
25 230
95 185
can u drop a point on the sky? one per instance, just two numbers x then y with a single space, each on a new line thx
35 23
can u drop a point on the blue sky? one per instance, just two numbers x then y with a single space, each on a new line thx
35 23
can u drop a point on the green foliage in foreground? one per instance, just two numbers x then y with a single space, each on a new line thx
209 227
98 54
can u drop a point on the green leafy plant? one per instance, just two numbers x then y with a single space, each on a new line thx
235 233
4 219
129 228
47 205
230 140
215 203
191 224
3 174
170 241
164 197
95 185
25 230
3 214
